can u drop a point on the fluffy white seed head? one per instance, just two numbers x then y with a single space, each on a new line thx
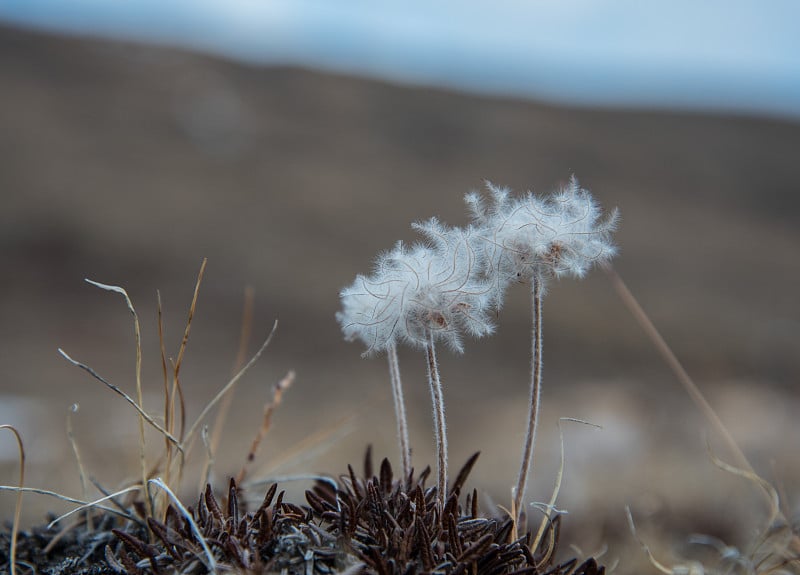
454 298
432 287
482 213
368 310
527 237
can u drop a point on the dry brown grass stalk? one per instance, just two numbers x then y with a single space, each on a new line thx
308 446
192 309
674 363
211 562
149 419
167 402
177 388
245 333
67 499
221 393
266 422
551 505
18 505
139 397
79 461
777 519
94 504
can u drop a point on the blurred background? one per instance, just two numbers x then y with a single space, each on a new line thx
290 142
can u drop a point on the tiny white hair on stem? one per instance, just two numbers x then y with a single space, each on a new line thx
530 239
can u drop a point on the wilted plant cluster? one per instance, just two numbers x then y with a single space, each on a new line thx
371 523
452 283
394 526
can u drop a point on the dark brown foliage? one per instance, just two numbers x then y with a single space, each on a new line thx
74 551
393 527
277 537
374 524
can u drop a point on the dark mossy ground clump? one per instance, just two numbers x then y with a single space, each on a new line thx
51 552
373 524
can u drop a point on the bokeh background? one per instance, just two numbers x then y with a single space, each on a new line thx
289 143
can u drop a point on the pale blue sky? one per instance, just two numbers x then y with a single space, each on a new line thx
725 55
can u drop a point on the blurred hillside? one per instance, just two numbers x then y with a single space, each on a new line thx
128 164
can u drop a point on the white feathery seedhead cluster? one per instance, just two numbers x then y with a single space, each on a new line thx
530 237
451 284
435 287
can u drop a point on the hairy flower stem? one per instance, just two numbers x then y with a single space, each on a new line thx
399 410
536 390
437 398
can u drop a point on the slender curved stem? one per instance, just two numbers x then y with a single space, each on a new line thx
440 428
533 409
139 396
400 410
211 563
12 553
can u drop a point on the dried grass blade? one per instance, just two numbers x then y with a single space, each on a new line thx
211 563
671 359
68 499
559 477
12 556
192 308
269 409
663 568
222 414
139 396
311 445
125 396
93 504
177 390
774 506
205 475
81 471
168 422
234 380
105 491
